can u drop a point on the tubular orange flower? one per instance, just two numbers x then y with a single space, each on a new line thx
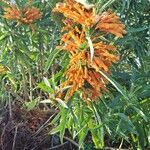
12 13
75 11
27 15
109 22
75 78
82 73
30 15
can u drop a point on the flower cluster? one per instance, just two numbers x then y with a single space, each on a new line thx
110 23
25 15
83 70
74 11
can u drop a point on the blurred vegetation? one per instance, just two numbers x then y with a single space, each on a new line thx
31 68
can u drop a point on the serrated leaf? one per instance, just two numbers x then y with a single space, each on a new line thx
3 37
57 117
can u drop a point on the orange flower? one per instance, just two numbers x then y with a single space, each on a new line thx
75 11
109 22
82 73
12 13
103 57
75 79
25 15
30 15
94 85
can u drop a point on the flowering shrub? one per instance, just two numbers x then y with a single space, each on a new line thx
26 15
87 62
88 54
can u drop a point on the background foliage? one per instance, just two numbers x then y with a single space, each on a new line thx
34 69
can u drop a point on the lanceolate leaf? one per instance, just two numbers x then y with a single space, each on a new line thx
50 59
115 84
106 5
91 47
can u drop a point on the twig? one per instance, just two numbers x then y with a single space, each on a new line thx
71 141
111 148
20 99
41 128
10 111
3 134
15 135
44 125
38 145
30 85
1 138
121 144
58 146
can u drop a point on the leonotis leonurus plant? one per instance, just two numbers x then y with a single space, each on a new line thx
22 15
88 53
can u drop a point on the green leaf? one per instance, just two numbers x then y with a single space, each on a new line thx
91 47
31 105
140 112
115 84
108 3
56 118
61 102
82 134
134 30
3 37
46 82
97 133
50 59
45 88
63 122
97 138
141 135
55 130
125 118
